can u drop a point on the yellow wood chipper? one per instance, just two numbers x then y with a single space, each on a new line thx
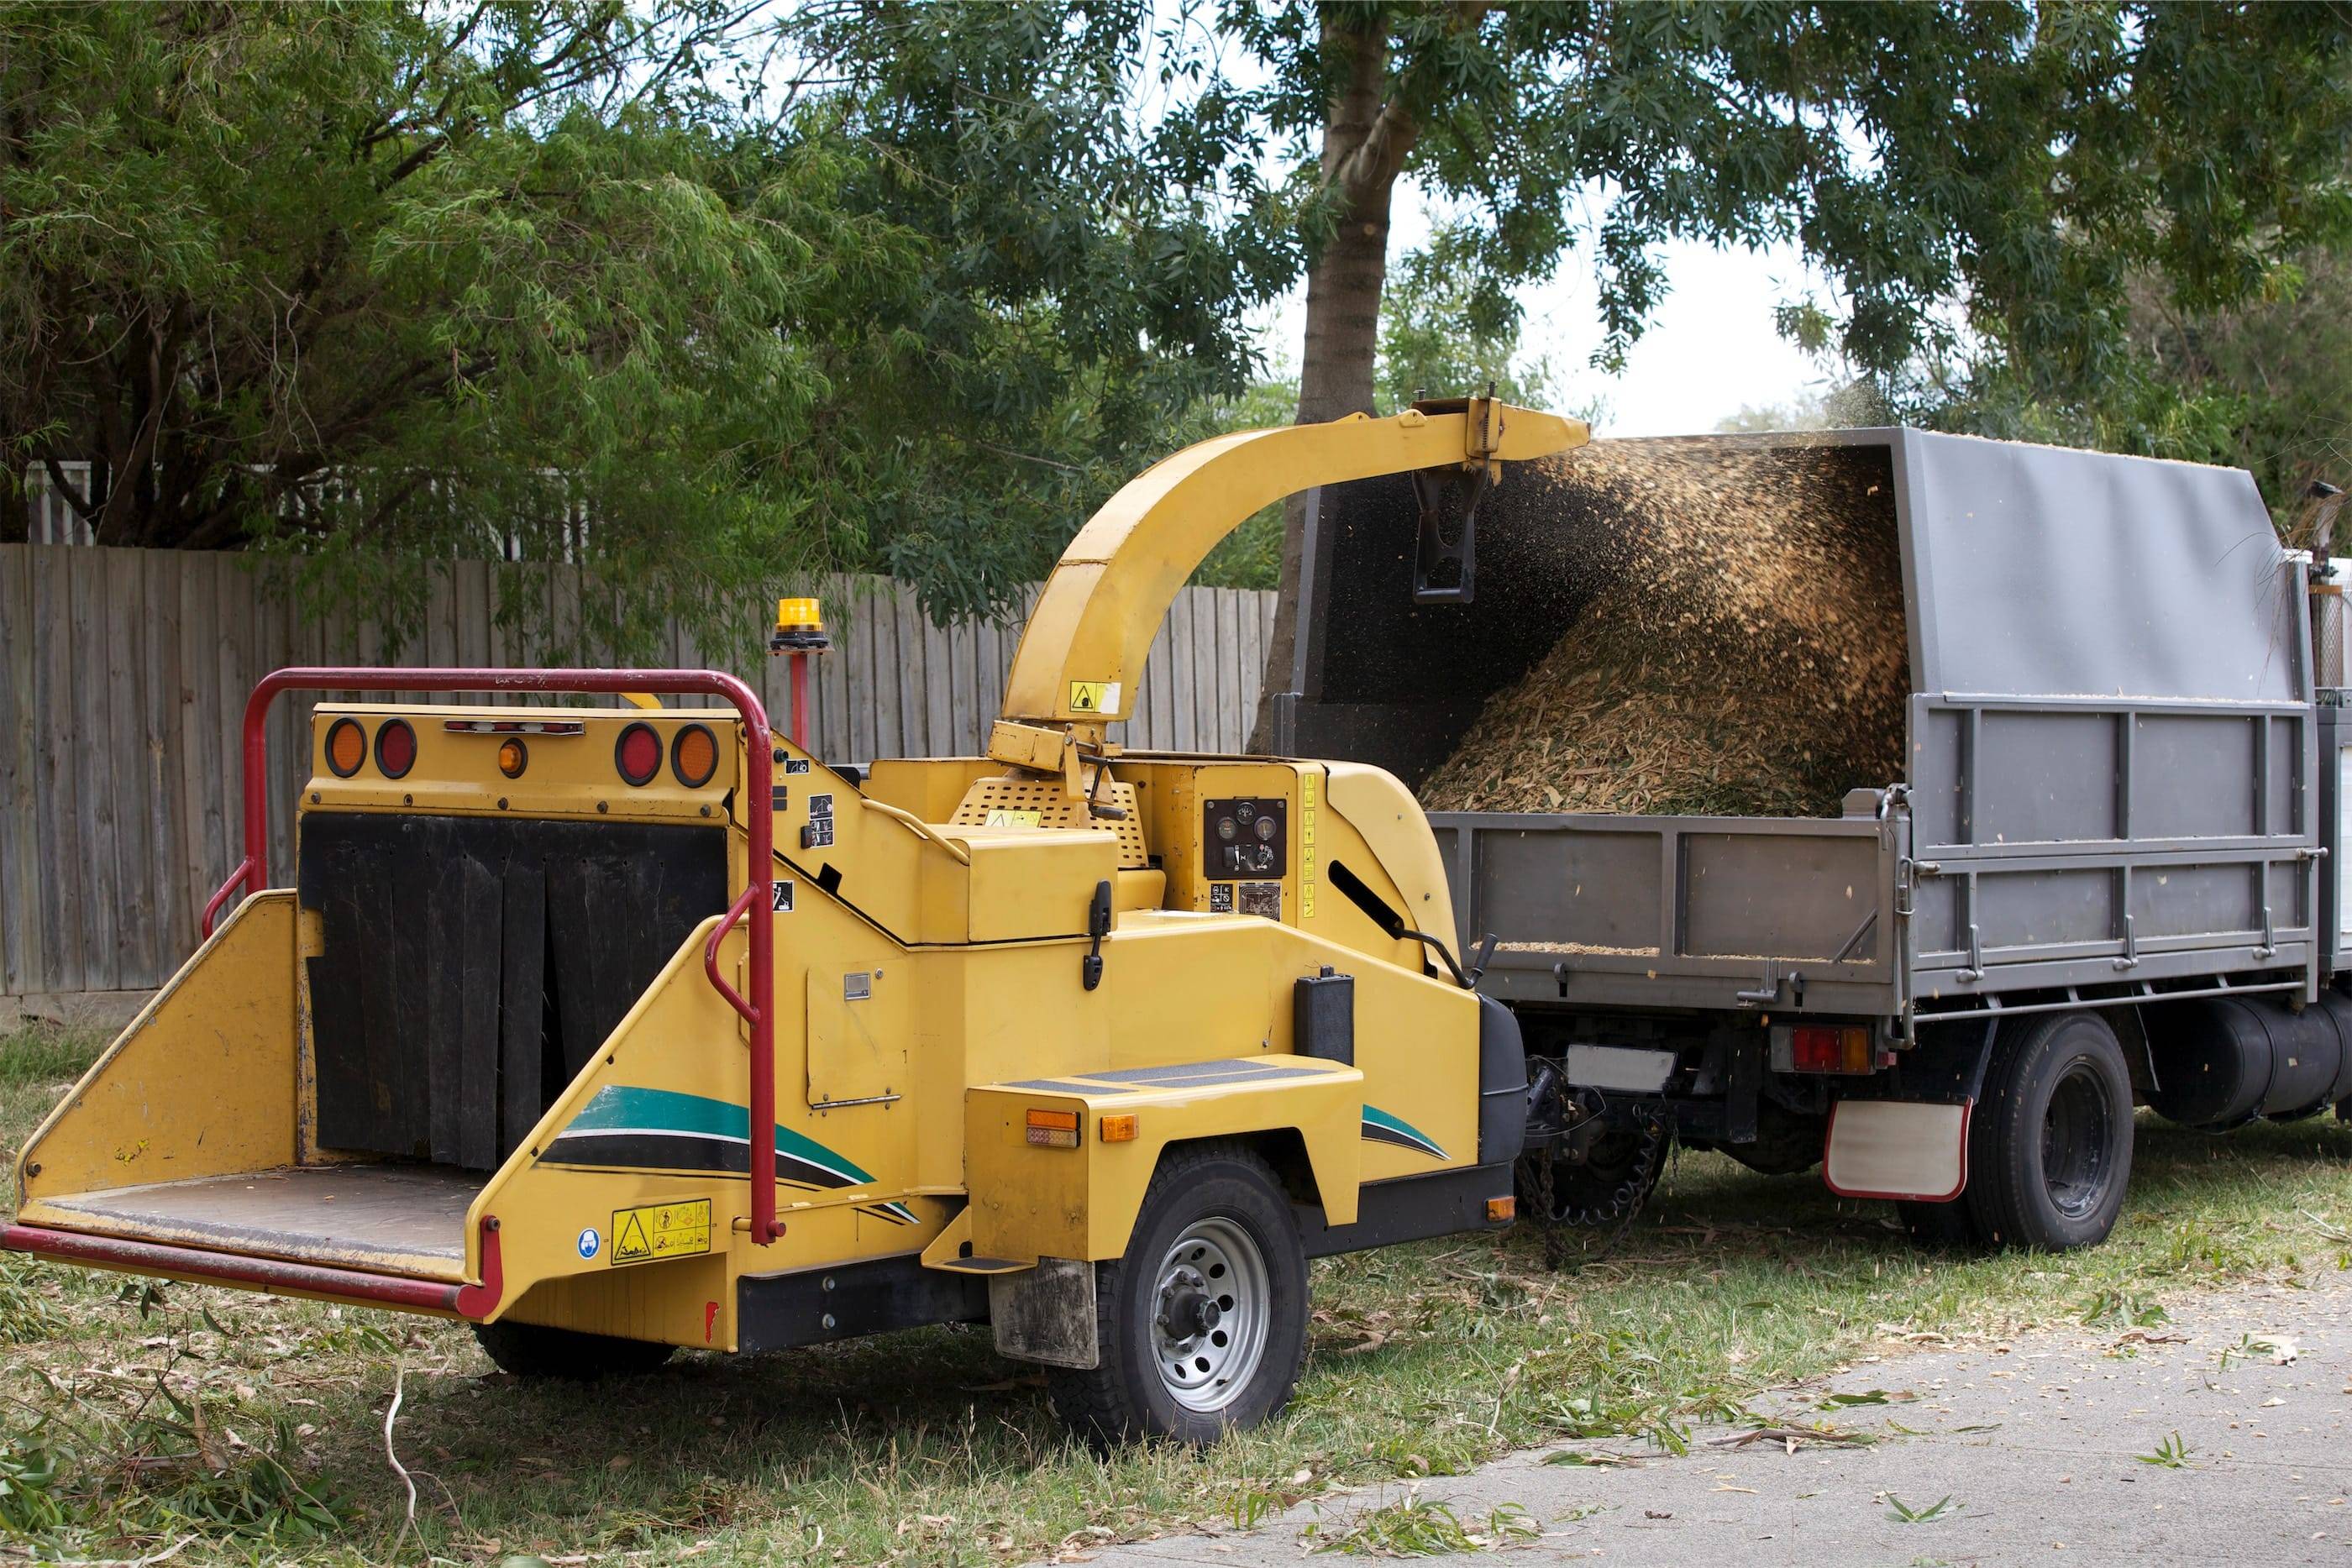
616 1030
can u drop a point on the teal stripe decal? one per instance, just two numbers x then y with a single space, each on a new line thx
1383 1128
616 1107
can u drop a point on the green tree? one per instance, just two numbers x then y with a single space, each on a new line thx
371 282
1999 170
2263 386
1090 255
1442 335
368 282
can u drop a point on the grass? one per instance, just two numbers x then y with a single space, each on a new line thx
132 1419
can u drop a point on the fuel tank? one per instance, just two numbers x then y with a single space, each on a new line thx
2222 1060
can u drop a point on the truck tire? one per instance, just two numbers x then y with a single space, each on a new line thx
1201 1323
2050 1144
535 1351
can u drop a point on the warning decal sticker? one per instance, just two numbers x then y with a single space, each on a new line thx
659 1230
1095 696
1000 817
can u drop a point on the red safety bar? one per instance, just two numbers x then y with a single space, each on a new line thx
475 1302
252 873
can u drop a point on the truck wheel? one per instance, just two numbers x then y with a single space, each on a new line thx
536 1350
1202 1324
2050 1144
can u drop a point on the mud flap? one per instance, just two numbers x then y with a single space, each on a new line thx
1901 1149
1047 1315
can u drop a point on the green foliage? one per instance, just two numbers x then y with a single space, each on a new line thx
1994 175
1416 1526
2260 385
374 282
1902 1512
1442 336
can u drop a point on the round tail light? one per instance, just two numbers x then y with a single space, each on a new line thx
396 748
693 756
638 753
346 746
513 757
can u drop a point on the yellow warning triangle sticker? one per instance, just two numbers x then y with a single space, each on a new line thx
631 1242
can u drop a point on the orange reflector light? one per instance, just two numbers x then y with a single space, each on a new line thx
1118 1129
1829 1048
346 747
513 757
693 756
1499 1209
1053 1129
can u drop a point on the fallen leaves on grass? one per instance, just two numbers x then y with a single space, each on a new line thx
1417 1528
1794 1438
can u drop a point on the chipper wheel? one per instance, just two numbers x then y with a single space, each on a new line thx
536 1350
2050 1144
1202 1324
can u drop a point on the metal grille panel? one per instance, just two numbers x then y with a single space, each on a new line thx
1054 809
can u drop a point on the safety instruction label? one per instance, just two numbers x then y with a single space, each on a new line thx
659 1230
1095 696
1307 844
999 817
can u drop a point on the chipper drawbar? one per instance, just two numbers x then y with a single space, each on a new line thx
616 1030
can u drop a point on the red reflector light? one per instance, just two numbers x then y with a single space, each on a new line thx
396 748
1829 1048
638 755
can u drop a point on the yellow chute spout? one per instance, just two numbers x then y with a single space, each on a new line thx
1082 654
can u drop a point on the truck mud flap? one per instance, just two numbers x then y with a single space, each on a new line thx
1901 1149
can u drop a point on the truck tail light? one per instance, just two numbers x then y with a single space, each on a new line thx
638 753
396 748
346 746
513 757
1053 1129
1829 1048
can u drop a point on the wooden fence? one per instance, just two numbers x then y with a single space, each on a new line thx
120 767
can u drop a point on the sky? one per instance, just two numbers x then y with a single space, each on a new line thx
1710 349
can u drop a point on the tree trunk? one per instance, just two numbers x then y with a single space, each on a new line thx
1365 139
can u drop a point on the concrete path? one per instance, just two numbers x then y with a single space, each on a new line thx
2034 1443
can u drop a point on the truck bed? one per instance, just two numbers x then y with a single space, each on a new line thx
1680 911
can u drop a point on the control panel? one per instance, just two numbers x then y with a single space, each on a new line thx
1246 838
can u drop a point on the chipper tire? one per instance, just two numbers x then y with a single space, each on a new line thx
1202 1324
537 1352
2050 1144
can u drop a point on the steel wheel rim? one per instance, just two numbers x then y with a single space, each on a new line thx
1211 1306
2076 1128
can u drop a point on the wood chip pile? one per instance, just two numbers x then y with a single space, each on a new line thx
1739 652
